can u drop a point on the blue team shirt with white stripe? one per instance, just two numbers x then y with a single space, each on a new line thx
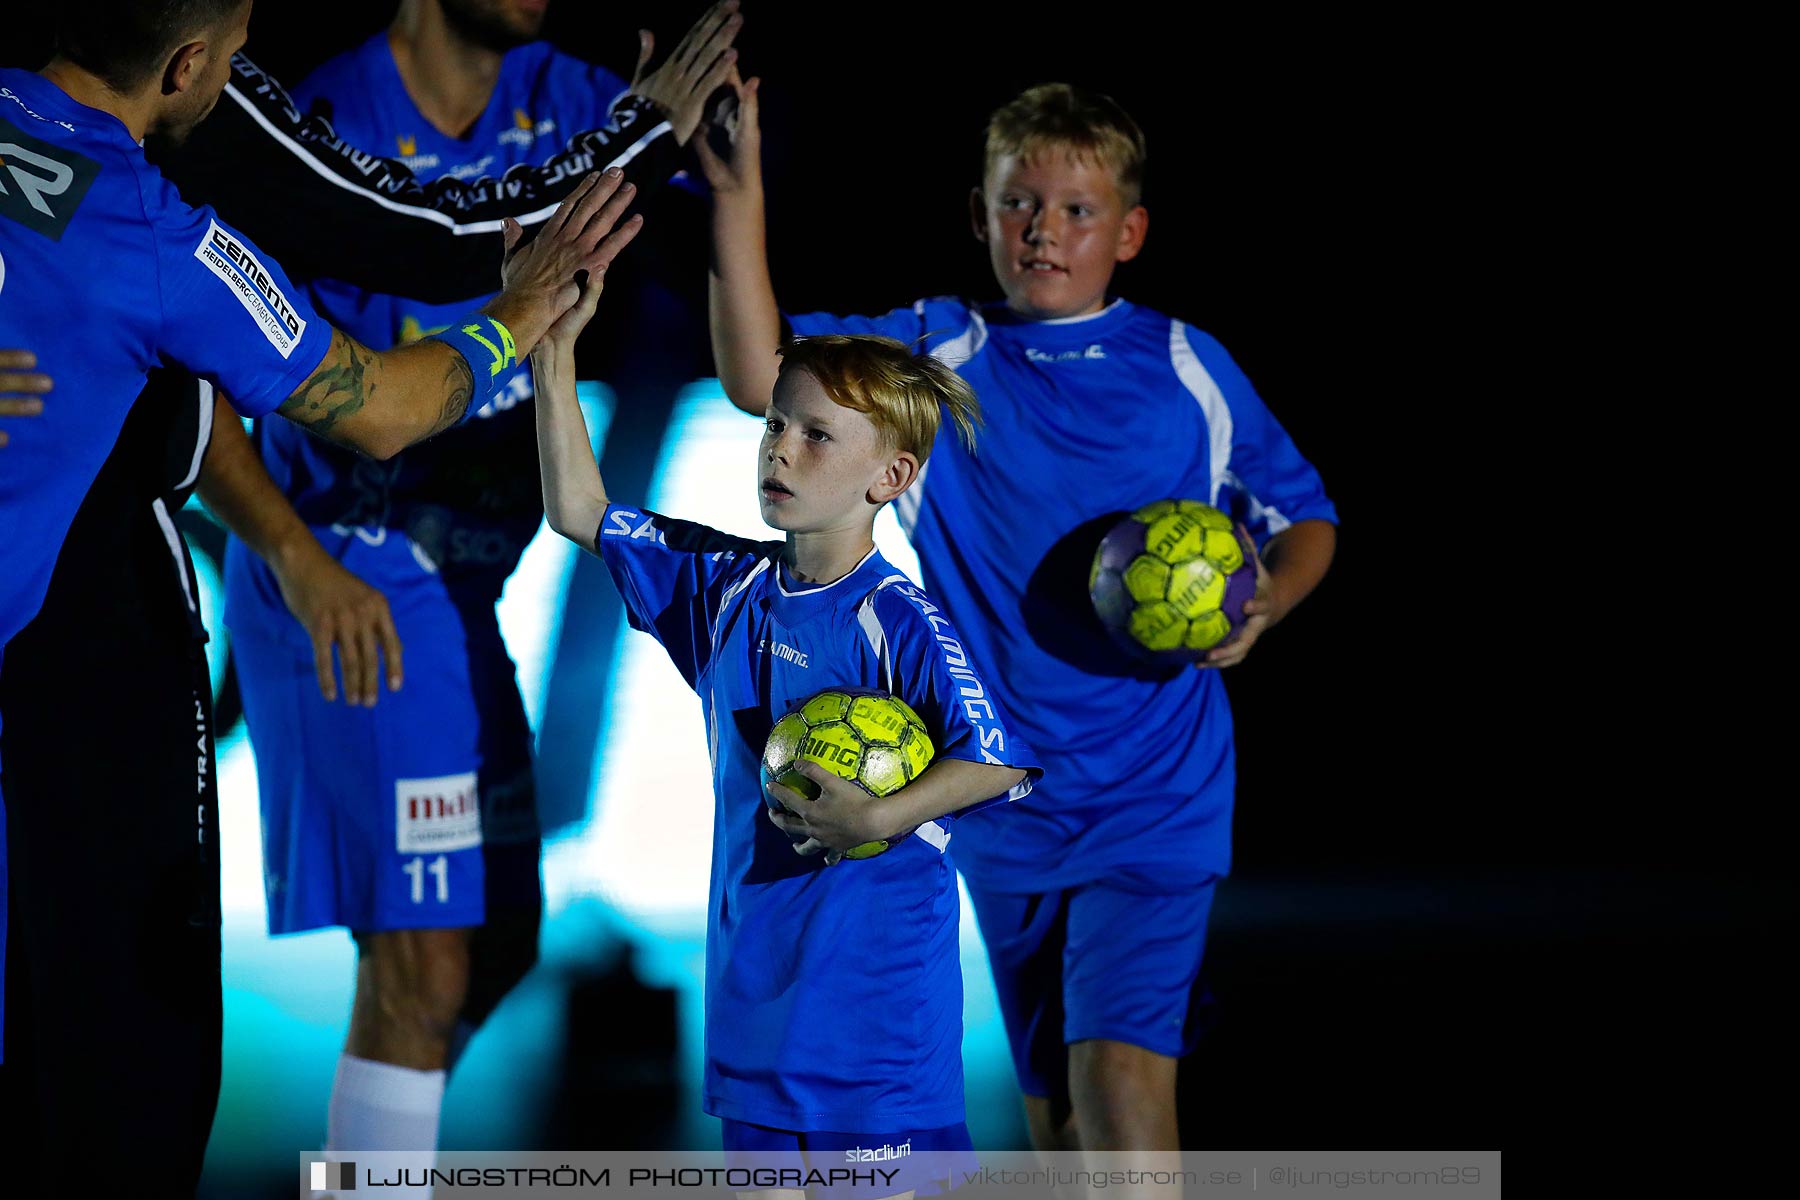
105 273
833 994
1086 417
464 505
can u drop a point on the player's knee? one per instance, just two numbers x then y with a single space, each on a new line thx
420 980
1120 1075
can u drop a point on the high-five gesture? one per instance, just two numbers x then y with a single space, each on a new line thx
700 64
585 234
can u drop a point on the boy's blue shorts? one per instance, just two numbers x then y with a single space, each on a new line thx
418 813
1118 960
923 1161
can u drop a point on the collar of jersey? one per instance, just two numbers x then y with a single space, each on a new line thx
789 607
430 135
1063 329
52 101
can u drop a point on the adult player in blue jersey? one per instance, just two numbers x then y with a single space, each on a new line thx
108 273
424 842
833 992
117 644
1093 895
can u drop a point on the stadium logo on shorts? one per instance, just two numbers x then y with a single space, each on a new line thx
334 1176
880 1154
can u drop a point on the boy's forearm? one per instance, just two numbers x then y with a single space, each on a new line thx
574 493
237 489
1297 559
948 785
741 308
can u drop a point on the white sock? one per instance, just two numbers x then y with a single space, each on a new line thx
378 1106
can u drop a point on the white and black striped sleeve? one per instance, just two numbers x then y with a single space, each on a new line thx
323 208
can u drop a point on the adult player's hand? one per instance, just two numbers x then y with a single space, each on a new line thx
340 612
842 818
584 234
20 386
742 172
699 65
1259 612
557 350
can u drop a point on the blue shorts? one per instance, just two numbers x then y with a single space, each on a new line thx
1100 960
419 813
923 1161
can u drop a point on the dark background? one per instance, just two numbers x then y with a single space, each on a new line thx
1481 893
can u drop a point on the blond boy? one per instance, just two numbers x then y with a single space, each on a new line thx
833 988
1093 895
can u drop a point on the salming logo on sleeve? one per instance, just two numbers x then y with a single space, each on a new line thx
255 289
622 522
977 706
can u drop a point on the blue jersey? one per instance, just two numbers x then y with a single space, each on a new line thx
107 273
1086 417
465 504
104 272
833 994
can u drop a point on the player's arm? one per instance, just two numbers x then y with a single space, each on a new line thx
741 308
21 385
574 493
327 209
700 63
979 759
380 402
337 610
845 816
1290 566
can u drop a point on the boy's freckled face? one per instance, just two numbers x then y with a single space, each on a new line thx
817 460
1055 227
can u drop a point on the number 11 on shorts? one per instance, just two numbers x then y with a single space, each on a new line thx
440 868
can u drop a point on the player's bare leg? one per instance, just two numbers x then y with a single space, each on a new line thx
410 988
388 1094
1123 1096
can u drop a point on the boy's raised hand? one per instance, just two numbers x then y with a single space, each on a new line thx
1259 610
589 279
842 818
699 65
583 235
743 170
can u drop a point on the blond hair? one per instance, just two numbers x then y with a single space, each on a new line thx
1083 124
899 391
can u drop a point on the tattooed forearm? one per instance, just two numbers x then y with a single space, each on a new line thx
459 384
339 388
425 388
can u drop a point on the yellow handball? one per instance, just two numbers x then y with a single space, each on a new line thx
1170 580
869 738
